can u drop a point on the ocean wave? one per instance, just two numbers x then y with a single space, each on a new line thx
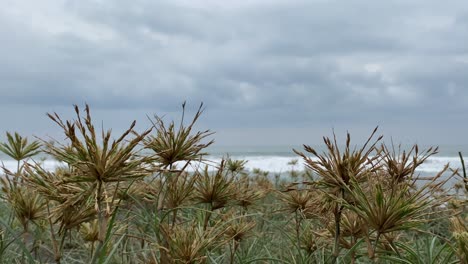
273 164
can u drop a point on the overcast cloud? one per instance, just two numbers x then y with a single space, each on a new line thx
269 72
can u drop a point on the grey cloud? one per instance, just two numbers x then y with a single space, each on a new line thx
288 64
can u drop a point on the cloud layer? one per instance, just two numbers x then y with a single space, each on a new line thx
289 66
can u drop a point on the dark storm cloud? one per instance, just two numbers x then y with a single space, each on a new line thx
270 64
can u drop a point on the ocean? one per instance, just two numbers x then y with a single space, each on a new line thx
276 159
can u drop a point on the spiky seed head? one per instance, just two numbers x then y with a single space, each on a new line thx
247 193
90 231
460 233
171 144
18 147
239 227
236 166
27 205
215 188
336 168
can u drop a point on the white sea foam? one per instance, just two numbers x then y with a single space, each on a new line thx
280 164
46 164
274 164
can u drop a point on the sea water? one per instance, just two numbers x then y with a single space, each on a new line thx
278 159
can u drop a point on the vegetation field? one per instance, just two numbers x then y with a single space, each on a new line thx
143 197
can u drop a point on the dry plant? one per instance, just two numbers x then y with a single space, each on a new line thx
460 233
99 207
399 204
180 188
188 243
71 202
302 203
174 148
178 192
90 233
19 149
337 169
247 193
98 162
236 167
172 145
214 189
296 200
400 164
459 223
387 209
312 238
239 228
27 205
353 228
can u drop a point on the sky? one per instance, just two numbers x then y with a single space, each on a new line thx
268 72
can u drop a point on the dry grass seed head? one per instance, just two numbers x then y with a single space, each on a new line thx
151 190
395 209
180 188
247 193
171 144
352 225
400 164
18 148
90 231
94 160
236 167
459 229
71 202
310 241
49 184
337 168
188 243
298 200
239 227
71 216
28 206
216 189
263 182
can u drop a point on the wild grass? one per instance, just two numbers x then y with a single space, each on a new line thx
141 198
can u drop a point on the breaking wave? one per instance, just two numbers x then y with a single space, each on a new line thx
275 164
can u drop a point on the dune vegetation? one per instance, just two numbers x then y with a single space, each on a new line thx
143 197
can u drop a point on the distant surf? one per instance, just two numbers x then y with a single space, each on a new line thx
272 164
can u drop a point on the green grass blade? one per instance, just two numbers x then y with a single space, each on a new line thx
19 242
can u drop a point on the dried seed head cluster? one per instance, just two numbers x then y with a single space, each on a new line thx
373 190
171 144
143 198
92 161
18 148
90 231
215 188
239 227
189 243
337 169
236 167
401 165
298 200
27 206
460 233
247 193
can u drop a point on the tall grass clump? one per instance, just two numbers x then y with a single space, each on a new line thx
379 189
153 196
338 170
